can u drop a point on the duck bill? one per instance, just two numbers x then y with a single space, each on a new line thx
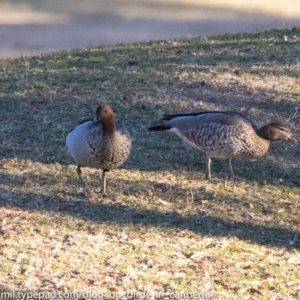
291 139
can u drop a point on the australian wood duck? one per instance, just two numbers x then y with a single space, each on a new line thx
100 143
224 134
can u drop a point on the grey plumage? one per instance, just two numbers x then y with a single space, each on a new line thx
224 134
101 143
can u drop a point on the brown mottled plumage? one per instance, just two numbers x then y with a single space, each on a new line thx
224 134
102 144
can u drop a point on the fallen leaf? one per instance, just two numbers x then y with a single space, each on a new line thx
295 260
180 275
199 255
254 291
164 202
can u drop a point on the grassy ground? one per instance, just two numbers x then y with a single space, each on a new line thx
168 230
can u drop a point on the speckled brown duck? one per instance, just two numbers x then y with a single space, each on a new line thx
101 143
224 134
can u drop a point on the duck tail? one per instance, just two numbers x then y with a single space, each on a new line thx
173 116
159 128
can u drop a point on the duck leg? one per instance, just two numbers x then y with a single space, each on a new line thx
230 167
103 184
208 173
87 191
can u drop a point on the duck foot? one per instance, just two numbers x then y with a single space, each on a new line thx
236 179
89 193
214 180
106 196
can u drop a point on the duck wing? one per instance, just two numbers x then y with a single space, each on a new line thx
191 120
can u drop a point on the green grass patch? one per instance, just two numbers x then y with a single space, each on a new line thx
40 85
168 230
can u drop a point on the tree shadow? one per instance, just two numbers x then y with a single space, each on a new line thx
200 222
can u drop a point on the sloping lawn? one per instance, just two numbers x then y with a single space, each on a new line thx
168 230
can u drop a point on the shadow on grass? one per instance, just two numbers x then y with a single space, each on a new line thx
200 222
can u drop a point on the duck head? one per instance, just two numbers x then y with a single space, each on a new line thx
105 115
276 131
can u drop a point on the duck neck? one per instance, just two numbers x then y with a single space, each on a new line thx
263 139
108 129
264 133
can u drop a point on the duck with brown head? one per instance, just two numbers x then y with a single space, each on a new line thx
106 116
102 144
275 131
224 134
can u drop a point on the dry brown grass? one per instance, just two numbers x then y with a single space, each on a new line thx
169 230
